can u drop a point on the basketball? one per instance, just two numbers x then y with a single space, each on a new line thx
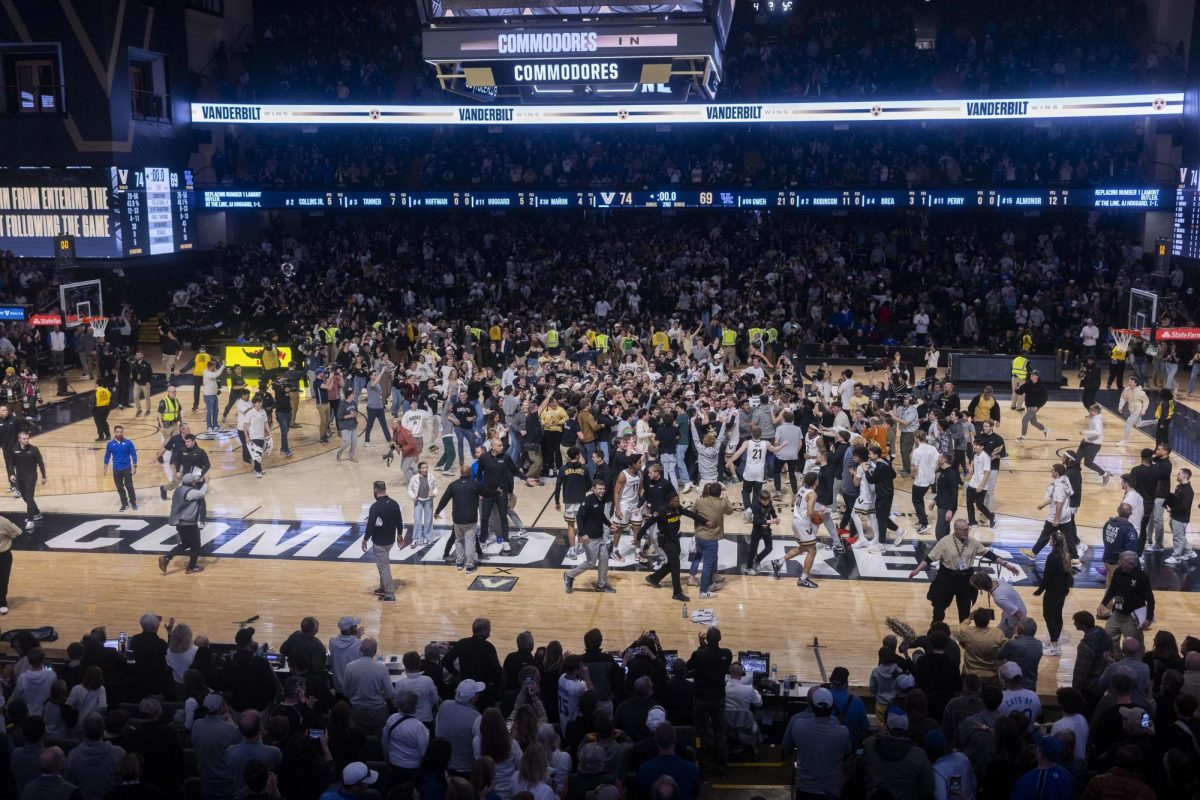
817 517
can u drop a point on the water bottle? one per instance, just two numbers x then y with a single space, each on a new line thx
121 637
685 613
775 673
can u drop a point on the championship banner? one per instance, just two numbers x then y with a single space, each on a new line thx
1094 107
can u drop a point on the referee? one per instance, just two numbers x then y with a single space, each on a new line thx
384 521
954 555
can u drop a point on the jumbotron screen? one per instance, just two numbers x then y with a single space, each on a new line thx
111 212
458 9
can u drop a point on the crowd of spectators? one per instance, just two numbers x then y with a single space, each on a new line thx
898 156
843 284
955 714
363 52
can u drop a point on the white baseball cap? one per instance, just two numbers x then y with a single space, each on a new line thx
357 772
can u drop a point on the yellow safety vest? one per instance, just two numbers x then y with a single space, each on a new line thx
270 359
772 335
551 338
602 342
1020 367
331 335
728 337
477 333
755 333
170 409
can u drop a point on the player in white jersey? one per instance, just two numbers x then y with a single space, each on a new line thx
627 502
807 514
813 442
864 506
754 472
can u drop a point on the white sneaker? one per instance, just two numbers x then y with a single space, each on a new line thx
1173 560
708 595
1190 554
1052 649
1020 440
1122 443
900 534
3 610
875 549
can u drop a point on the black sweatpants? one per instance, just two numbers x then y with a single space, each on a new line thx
671 551
758 533
189 542
5 571
27 485
100 416
123 478
1052 608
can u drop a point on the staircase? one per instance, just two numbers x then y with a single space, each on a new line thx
758 774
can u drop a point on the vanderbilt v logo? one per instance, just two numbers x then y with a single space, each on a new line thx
104 75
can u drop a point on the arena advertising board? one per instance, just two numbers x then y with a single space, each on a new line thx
1091 107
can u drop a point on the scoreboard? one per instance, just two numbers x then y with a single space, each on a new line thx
1185 233
1001 199
108 212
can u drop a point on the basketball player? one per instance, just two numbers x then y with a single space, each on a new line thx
627 501
185 516
807 515
755 471
572 486
863 515
1093 440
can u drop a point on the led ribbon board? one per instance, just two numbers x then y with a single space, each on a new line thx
1094 107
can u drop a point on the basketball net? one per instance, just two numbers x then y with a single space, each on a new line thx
99 325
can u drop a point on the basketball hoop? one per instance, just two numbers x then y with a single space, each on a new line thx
99 325
1123 337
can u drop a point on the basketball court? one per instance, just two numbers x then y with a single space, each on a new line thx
289 545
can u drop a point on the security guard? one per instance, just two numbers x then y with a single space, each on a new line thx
102 407
271 362
169 414
199 364
1020 371
601 343
552 340
729 338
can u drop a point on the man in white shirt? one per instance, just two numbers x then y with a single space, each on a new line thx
1135 401
741 698
602 308
240 408
258 428
1134 500
740 695
981 467
1093 440
414 421
924 465
1016 697
1012 607
405 738
571 685
921 324
420 684
1090 334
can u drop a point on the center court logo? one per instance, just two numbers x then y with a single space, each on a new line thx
342 543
